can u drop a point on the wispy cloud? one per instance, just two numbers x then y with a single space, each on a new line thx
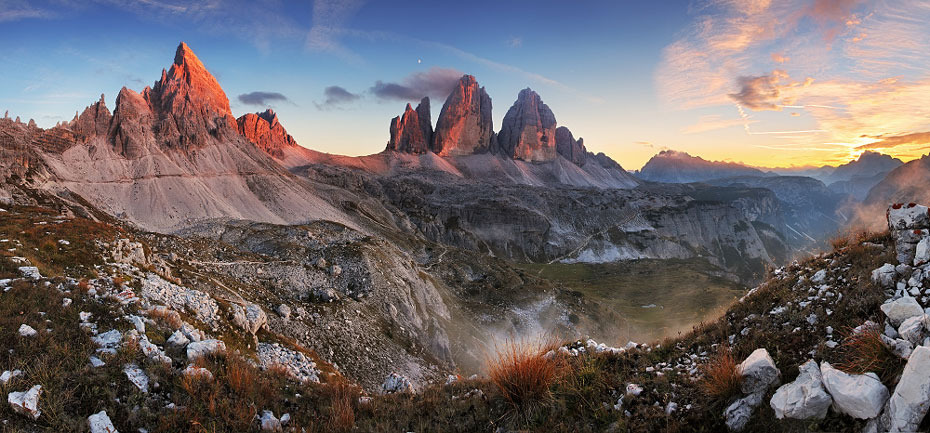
329 19
916 138
436 82
714 122
263 99
515 42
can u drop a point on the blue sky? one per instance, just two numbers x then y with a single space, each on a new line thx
725 79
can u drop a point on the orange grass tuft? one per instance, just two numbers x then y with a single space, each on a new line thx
523 372
722 377
864 351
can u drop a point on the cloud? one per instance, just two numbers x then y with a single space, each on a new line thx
328 21
436 82
515 42
263 99
336 96
780 58
715 122
762 92
916 138
13 10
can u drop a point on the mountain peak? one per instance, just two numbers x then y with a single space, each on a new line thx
412 131
189 77
465 125
528 129
264 130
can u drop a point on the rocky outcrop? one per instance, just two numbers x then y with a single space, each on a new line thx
857 395
528 129
805 397
412 132
265 131
465 125
571 149
184 110
94 121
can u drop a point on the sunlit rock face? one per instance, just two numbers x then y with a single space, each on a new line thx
93 121
412 132
184 110
528 130
465 126
571 149
266 132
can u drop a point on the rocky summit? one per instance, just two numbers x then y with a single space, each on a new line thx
528 130
465 125
265 131
412 132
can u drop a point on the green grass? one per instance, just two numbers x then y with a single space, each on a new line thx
684 292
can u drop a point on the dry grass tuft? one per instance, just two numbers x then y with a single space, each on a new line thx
864 351
722 377
342 396
522 372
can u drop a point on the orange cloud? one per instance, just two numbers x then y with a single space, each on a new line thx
916 138
780 58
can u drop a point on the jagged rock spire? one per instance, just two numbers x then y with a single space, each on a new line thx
528 129
465 125
412 132
265 131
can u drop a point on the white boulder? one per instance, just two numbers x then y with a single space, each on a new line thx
857 395
30 272
270 422
26 402
206 347
759 372
912 328
901 309
27 331
907 217
251 318
911 397
922 254
396 383
884 276
198 373
819 277
739 412
100 423
137 377
805 397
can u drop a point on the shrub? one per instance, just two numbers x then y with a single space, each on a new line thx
722 377
522 371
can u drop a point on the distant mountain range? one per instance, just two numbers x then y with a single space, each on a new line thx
671 166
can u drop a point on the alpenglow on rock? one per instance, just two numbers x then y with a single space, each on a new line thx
412 132
528 129
264 130
465 125
184 110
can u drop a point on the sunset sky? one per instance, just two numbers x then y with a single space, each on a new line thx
768 83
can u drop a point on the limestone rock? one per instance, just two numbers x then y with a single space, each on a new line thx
94 121
805 397
912 328
465 125
759 372
27 331
412 132
265 131
911 397
528 129
739 412
571 149
396 383
251 318
908 217
901 309
269 422
198 349
137 377
26 402
198 372
884 276
858 395
100 423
